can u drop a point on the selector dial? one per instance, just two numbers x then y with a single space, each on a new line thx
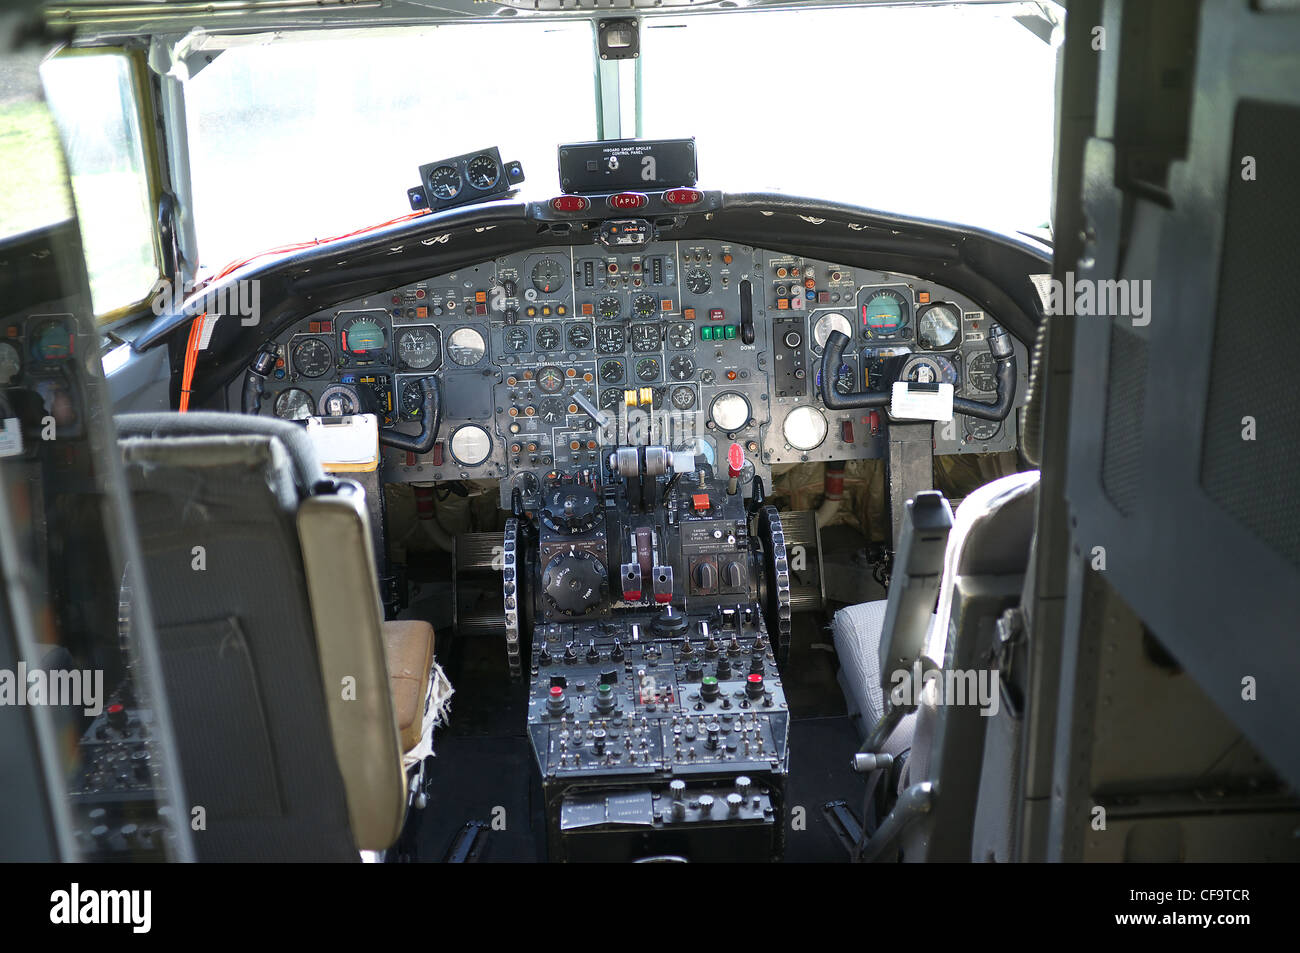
574 583
572 510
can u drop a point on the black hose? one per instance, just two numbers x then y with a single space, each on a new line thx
832 358
1031 430
431 408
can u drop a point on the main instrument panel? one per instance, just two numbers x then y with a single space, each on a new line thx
691 345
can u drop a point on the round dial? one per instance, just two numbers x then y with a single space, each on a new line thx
729 411
51 341
611 397
470 445
444 182
339 400
981 371
550 380
483 171
574 583
825 324
572 510
610 339
579 336
548 337
611 372
937 326
647 369
928 369
698 280
516 338
884 311
609 307
804 428
466 346
548 276
11 362
845 378
411 399
363 335
681 367
294 404
681 335
645 337
982 429
683 397
551 410
312 357
418 347
645 305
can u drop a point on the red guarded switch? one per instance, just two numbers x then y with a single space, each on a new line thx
735 460
700 501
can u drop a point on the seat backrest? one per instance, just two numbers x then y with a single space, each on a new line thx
984 567
283 718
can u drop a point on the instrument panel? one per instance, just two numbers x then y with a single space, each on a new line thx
684 344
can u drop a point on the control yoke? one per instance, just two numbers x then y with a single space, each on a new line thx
1000 346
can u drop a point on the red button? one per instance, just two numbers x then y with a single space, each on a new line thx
628 200
570 203
735 460
700 501
683 196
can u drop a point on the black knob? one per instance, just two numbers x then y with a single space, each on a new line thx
598 740
118 718
544 656
570 653
694 671
709 689
616 653
706 577
574 583
724 668
571 510
733 575
669 622
593 654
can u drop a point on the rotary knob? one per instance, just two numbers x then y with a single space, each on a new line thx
574 583
572 510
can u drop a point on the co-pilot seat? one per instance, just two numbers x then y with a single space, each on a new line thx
974 567
293 702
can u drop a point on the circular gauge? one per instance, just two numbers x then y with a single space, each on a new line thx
981 372
550 380
698 280
846 378
611 372
418 347
548 337
551 410
609 307
529 484
411 399
681 335
610 339
51 341
825 324
884 312
364 336
729 411
11 362
804 428
294 404
444 182
312 357
928 369
683 397
466 346
982 429
339 400
611 397
647 369
470 445
483 171
644 337
644 306
516 338
937 326
548 276
579 336
681 367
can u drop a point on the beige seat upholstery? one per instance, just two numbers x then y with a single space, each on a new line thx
409 645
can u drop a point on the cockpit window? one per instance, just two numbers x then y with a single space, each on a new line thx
294 140
940 112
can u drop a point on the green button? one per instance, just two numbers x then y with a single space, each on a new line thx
731 331
706 333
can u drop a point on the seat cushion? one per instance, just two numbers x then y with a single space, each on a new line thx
409 644
857 632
